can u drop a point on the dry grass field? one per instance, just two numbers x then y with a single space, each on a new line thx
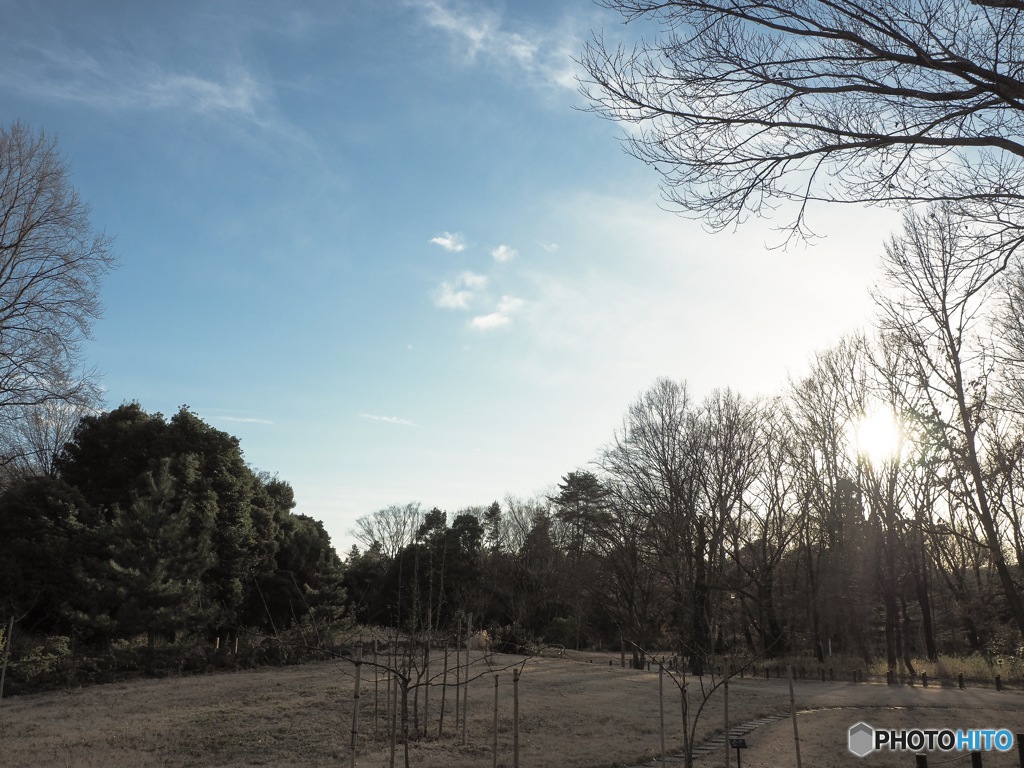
575 711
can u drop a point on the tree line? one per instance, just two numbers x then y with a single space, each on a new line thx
770 525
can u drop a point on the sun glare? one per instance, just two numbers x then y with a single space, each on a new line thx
878 436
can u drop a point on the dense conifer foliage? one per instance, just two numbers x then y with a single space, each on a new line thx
158 527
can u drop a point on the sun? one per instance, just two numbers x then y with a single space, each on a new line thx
878 436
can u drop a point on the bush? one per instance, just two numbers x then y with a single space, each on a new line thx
513 638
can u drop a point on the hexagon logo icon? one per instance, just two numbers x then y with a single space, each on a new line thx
862 739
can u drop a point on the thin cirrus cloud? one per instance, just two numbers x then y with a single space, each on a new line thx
388 420
450 241
125 82
460 292
242 419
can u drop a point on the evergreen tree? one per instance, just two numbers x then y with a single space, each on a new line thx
159 562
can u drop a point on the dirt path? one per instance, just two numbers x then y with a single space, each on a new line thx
827 710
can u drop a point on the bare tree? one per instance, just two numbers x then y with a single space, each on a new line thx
939 280
391 529
33 436
655 464
51 265
743 105
823 406
767 530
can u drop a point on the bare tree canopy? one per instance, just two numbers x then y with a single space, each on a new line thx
745 106
51 265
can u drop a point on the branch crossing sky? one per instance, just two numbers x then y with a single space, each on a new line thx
380 243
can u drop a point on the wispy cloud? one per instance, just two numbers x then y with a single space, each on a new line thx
460 292
115 70
389 420
544 55
501 317
242 419
450 241
128 81
504 253
549 247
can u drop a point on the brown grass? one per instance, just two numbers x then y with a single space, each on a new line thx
574 712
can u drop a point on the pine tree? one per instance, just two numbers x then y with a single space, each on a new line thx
159 561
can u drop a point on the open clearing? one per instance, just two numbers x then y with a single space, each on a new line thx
575 711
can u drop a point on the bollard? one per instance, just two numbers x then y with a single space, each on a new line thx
1020 748
960 680
609 662
922 761
976 760
924 679
831 674
999 683
888 677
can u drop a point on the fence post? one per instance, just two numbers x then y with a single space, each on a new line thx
792 706
725 693
960 680
394 717
924 679
444 691
661 710
465 692
999 683
515 718
7 655
495 721
355 706
1020 748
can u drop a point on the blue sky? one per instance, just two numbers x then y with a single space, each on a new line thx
380 243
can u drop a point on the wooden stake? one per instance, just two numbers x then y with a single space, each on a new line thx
515 718
444 691
7 656
661 712
495 721
686 723
725 693
792 707
458 672
355 707
394 717
426 688
465 692
376 688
